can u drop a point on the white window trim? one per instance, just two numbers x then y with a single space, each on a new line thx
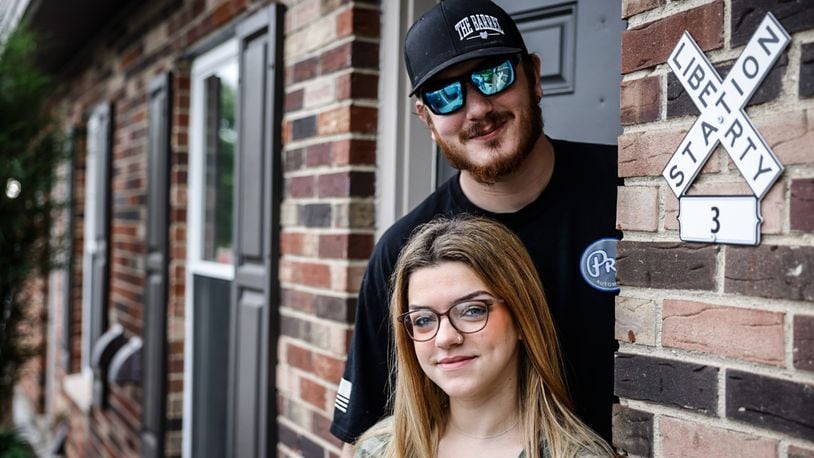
78 386
91 194
203 67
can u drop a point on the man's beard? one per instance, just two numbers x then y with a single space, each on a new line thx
530 117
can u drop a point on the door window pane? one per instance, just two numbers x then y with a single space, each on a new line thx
219 151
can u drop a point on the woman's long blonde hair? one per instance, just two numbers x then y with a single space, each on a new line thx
501 261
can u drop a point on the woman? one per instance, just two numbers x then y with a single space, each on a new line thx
478 369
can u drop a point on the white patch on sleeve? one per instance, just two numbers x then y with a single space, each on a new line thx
343 395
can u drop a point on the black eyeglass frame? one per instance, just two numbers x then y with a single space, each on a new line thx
466 80
404 317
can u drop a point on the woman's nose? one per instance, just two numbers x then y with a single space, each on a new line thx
447 334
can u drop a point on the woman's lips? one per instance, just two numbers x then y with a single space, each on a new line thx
455 362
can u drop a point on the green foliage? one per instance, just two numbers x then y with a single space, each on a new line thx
225 160
29 154
13 446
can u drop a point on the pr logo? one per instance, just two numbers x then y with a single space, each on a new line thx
598 265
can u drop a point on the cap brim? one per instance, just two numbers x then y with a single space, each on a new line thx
476 54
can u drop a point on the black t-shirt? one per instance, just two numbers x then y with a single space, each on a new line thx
577 208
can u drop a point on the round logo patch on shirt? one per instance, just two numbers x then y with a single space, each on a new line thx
598 265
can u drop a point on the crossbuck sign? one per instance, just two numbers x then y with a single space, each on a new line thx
724 219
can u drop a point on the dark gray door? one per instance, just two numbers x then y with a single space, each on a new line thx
155 294
579 45
98 250
211 356
252 400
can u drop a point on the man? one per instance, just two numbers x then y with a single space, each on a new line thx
478 90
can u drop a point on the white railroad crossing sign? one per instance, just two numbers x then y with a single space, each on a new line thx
724 219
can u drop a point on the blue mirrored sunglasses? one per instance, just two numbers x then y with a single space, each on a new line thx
447 96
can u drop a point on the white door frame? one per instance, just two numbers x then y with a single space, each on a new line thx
203 67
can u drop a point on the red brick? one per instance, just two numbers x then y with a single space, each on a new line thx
328 368
302 186
681 438
640 100
346 184
130 56
359 22
353 54
802 205
803 346
182 80
364 119
348 119
631 7
299 357
317 155
291 243
357 86
345 246
305 69
312 393
298 300
221 15
337 58
651 44
354 152
294 100
334 121
344 23
749 334
307 273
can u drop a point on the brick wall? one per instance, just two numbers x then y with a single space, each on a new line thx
716 350
329 127
179 150
33 332
329 136
117 67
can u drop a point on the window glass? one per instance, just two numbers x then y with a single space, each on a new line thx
219 152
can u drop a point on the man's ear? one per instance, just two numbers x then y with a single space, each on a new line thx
424 115
538 86
421 111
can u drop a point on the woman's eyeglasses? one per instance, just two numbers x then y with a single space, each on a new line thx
448 96
466 317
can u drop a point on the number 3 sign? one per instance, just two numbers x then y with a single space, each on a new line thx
724 219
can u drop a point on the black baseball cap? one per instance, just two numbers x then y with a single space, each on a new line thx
457 30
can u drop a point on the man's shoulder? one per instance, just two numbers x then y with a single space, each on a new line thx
587 163
578 152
